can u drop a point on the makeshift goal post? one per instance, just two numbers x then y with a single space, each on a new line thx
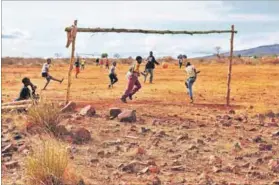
72 31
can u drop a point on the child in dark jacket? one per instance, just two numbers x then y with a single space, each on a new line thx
25 93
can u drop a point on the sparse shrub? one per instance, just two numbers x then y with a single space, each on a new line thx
44 115
47 163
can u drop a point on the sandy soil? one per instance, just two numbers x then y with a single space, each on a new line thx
164 108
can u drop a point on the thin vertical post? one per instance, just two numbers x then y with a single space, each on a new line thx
230 67
71 66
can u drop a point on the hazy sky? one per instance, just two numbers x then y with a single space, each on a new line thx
36 29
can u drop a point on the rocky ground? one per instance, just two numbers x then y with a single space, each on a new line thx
157 146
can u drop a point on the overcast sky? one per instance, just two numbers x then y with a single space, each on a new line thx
36 29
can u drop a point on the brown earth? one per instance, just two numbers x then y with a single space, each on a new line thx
170 133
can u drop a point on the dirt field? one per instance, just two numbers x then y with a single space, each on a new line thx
164 108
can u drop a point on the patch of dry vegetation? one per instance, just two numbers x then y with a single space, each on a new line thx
44 115
48 164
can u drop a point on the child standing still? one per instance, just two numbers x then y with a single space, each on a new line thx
107 63
112 75
77 64
133 82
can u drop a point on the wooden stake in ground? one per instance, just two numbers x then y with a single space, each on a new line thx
230 68
71 64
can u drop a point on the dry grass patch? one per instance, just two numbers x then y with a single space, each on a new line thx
45 115
48 164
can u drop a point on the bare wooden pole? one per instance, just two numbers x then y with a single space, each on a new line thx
71 66
230 67
123 30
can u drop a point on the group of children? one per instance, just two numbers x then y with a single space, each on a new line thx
133 77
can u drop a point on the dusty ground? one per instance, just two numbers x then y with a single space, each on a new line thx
163 107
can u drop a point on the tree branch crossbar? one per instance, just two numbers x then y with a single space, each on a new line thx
122 30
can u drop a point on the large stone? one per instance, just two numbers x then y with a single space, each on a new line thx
87 111
127 116
69 107
81 135
114 112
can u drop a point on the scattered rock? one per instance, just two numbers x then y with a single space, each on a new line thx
182 137
200 141
8 148
227 117
17 136
11 128
127 116
69 107
177 168
271 124
133 167
216 169
275 134
192 147
226 123
265 147
273 165
11 164
87 111
94 160
276 182
231 111
161 134
259 161
156 181
112 143
258 139
238 118
270 114
21 148
246 165
204 179
101 153
215 161
153 169
81 135
114 112
145 130
140 151
61 130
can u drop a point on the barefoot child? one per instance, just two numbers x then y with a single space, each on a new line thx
46 75
133 82
112 75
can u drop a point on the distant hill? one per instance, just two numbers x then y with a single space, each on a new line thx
258 51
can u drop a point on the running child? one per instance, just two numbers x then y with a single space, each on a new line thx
46 75
192 76
112 75
133 82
